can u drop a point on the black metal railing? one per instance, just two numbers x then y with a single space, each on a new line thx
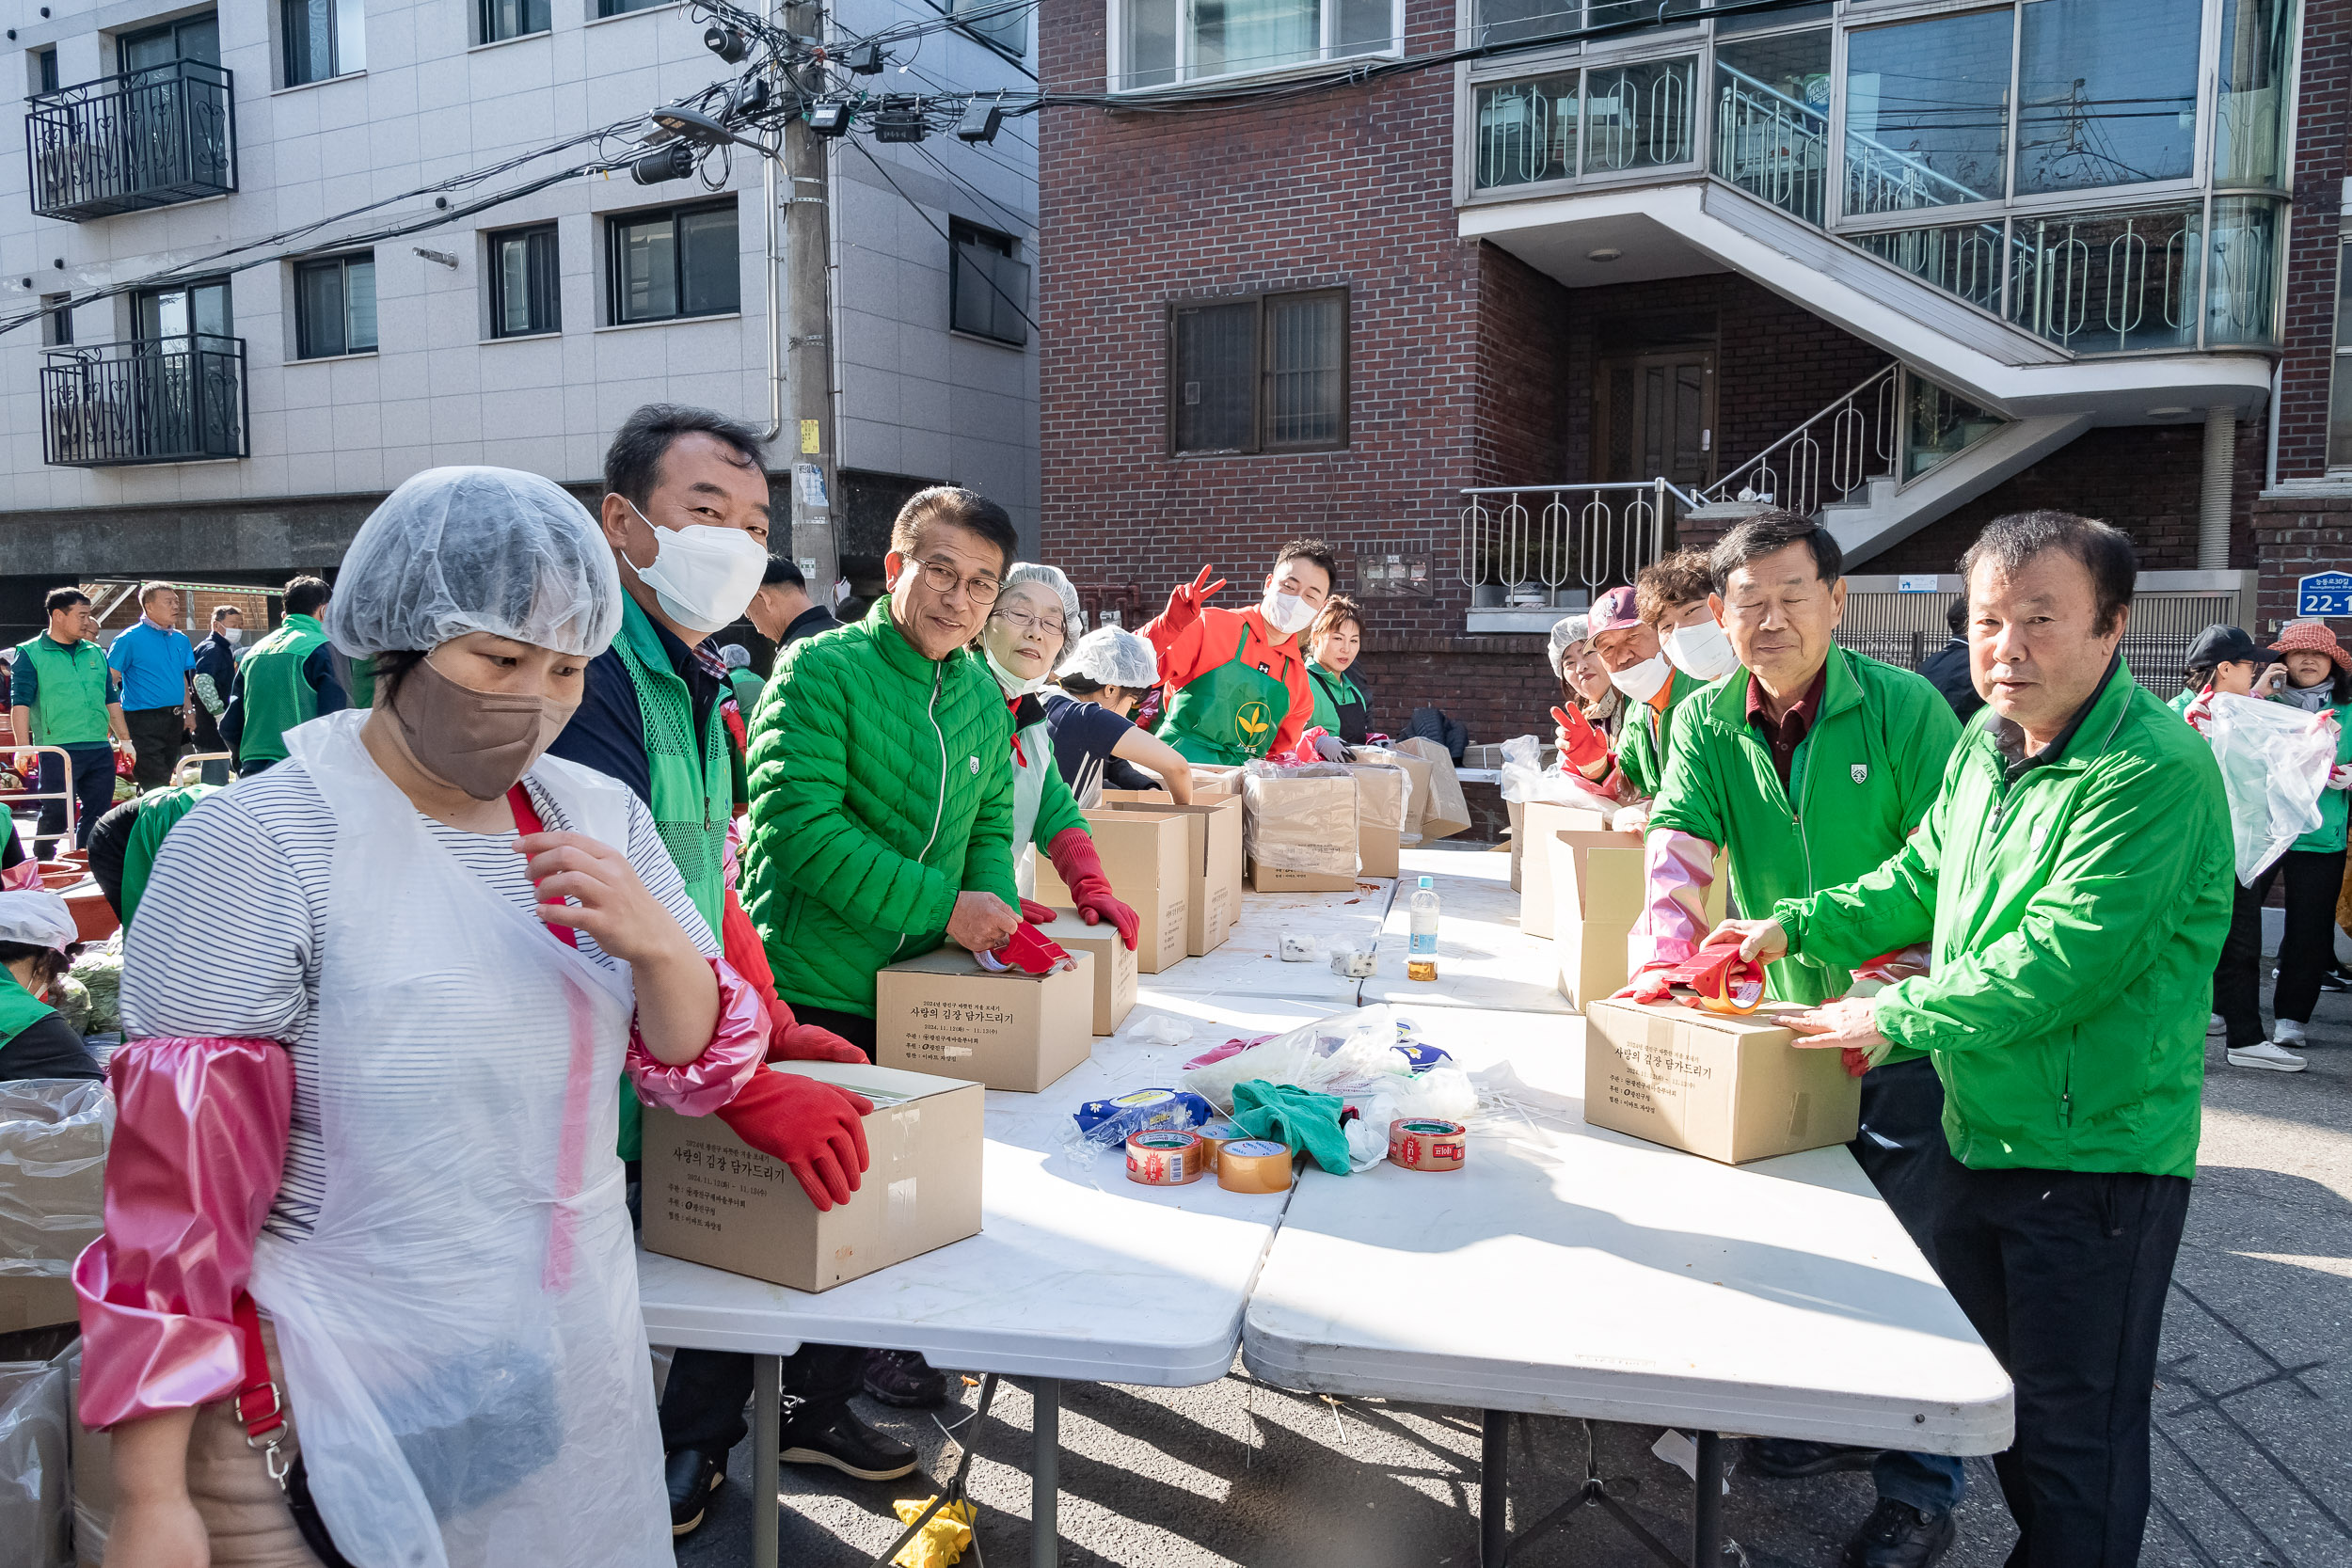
146 139
159 400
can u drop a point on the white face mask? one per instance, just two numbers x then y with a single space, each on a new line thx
1287 613
1642 681
1015 685
702 575
232 635
1701 652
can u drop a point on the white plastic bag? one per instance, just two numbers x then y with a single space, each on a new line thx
36 1496
1525 778
53 1172
2274 763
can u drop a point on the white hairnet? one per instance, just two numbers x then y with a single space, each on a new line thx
735 656
1029 571
454 550
1108 656
37 919
1566 634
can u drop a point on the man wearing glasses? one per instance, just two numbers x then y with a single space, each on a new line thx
1236 680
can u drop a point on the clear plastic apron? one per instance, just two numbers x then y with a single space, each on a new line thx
464 1357
1029 789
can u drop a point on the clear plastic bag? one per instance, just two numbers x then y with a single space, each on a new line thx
35 1489
53 1172
2274 764
1525 778
1300 819
1353 1056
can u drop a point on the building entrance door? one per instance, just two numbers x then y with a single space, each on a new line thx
1654 414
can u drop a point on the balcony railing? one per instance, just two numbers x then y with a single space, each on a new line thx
147 138
1543 545
166 399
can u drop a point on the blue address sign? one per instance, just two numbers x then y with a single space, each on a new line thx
2324 593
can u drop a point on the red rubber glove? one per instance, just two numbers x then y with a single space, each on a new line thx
810 1042
1037 913
1185 602
1081 870
813 1127
1580 745
1649 985
788 1039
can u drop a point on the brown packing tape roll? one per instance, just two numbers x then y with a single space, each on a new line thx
1420 1143
1214 1135
1253 1165
1162 1157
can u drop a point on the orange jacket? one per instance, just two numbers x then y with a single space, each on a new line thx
1193 650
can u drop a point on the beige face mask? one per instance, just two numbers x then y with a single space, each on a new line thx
482 741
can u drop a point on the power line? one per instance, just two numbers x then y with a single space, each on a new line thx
944 235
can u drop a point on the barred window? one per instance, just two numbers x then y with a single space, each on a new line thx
1259 372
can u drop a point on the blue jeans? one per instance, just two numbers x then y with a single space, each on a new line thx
93 792
1931 1482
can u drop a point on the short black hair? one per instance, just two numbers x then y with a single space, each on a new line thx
1311 549
48 962
1768 532
63 598
632 464
305 595
952 504
1956 615
221 610
782 571
2103 551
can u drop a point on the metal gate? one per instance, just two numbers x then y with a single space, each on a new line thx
1906 628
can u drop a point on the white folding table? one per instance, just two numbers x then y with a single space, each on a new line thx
1569 1270
1484 959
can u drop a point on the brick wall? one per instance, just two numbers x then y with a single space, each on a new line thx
1495 685
2322 124
2297 537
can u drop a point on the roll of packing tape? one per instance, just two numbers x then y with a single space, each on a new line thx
1166 1158
1214 1135
1419 1144
1254 1165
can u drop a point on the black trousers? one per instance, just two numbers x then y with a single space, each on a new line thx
702 1406
2315 877
161 733
2065 1274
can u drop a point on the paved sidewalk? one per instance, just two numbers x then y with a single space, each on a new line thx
2252 1468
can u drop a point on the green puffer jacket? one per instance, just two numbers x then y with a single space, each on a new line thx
2077 914
882 788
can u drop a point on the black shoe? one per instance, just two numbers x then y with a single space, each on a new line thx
1896 1535
904 1379
691 1476
849 1446
1790 1458
2335 980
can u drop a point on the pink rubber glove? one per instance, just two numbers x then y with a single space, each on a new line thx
815 1129
1081 870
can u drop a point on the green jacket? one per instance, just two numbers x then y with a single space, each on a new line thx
1642 744
72 689
2076 915
275 695
882 788
1863 777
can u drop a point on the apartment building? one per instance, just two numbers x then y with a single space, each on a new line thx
1504 327
237 421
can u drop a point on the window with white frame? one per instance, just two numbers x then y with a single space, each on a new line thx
2340 395
323 39
335 307
1188 40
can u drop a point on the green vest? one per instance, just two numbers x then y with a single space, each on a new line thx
75 687
276 697
157 815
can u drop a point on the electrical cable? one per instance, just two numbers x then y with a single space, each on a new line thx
943 235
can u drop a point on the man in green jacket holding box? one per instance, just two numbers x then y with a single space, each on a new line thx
2075 877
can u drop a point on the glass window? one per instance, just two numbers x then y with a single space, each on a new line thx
1926 112
988 288
324 38
621 7
1182 40
1637 116
1009 30
678 263
1515 21
175 312
47 59
56 322
1772 135
2103 282
2249 128
513 18
1628 117
2107 92
1937 425
526 294
2340 397
335 307
2242 272
1264 373
1527 132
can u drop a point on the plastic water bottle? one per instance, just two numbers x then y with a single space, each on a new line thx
1420 958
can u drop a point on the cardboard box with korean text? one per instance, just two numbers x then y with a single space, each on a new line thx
1300 832
1532 824
712 1199
1730 1087
942 1013
1113 969
1144 856
1379 817
1597 892
1213 863
1447 811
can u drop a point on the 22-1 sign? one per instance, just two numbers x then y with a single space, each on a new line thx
2324 593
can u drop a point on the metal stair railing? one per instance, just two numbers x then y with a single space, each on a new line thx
1529 542
1827 457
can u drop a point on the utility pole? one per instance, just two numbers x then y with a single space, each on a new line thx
808 430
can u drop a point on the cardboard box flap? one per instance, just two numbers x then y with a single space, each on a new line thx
1606 869
884 1085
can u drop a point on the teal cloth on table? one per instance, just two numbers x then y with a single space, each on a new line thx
1299 1118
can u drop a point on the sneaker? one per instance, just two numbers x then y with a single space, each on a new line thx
2335 980
2285 1031
849 1446
691 1477
903 1379
2266 1054
1790 1458
2216 1024
1896 1535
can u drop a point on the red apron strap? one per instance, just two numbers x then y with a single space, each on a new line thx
527 820
259 1406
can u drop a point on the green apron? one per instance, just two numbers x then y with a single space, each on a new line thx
19 1008
156 817
1227 716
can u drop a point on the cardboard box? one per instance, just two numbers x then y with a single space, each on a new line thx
1418 774
1214 783
712 1199
1727 1088
1301 833
1597 892
1533 822
1444 812
35 1301
942 1013
1144 854
1380 793
1114 966
1213 868
1274 879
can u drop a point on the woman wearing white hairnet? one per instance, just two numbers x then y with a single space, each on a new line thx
36 932
378 1006
1108 673
1592 712
1020 640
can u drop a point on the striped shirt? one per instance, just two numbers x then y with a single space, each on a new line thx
236 916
